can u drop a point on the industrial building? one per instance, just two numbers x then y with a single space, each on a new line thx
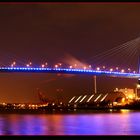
117 97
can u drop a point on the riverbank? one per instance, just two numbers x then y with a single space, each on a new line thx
66 111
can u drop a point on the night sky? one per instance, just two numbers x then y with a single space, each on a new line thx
62 33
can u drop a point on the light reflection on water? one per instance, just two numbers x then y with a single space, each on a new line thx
123 123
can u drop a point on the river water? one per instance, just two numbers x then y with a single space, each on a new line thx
124 122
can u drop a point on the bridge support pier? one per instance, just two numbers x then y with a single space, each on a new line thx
95 84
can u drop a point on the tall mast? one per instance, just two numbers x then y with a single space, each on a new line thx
95 84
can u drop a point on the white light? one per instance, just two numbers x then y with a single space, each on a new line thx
85 68
83 98
90 98
98 68
27 65
104 97
71 99
78 99
89 66
138 86
111 69
14 63
122 70
97 98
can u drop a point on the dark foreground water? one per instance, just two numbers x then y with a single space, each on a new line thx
124 122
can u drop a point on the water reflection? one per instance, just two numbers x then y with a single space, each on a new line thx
123 123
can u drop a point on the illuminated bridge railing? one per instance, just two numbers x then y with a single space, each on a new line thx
69 71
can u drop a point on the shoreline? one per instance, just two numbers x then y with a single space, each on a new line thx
67 111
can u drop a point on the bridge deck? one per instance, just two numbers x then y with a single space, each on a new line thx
69 71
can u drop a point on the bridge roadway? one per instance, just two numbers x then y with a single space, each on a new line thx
69 71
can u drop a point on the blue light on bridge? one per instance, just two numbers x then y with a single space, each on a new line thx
69 71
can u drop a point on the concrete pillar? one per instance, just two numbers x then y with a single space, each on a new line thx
95 86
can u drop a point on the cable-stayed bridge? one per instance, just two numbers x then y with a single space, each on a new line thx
70 71
125 53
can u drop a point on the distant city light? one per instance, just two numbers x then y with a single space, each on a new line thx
123 100
130 96
138 86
